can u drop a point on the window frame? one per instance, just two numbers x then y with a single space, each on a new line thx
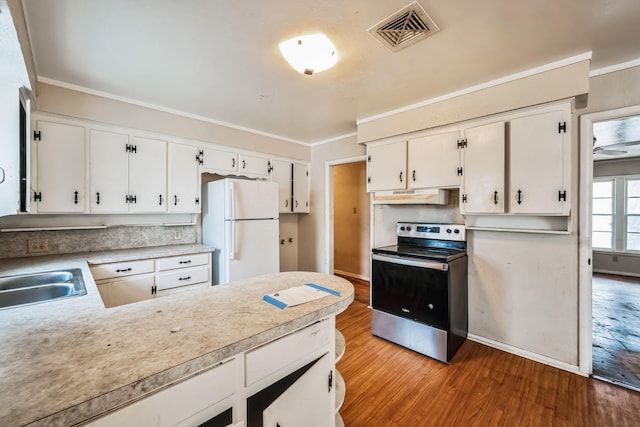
619 214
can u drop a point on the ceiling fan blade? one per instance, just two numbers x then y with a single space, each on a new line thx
619 145
607 152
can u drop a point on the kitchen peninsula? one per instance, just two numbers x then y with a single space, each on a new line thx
71 361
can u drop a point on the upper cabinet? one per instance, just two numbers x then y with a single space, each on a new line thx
483 168
434 161
183 178
218 161
387 166
535 172
300 187
127 174
293 184
59 167
539 157
254 166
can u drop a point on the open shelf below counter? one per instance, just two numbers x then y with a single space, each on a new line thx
341 345
341 390
339 422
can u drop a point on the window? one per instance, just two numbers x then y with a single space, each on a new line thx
616 214
602 220
632 212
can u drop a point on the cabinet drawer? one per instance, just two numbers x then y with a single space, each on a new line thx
121 269
271 357
182 278
183 261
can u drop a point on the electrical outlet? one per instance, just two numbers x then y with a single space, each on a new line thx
177 235
37 245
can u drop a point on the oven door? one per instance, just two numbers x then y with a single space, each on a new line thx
411 288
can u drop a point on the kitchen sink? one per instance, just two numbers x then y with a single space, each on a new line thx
40 287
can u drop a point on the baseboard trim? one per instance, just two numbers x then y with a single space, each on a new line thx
354 275
527 354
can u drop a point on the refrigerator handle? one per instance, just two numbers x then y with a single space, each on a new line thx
232 200
232 255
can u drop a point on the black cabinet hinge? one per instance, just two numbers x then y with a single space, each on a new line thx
459 171
37 135
330 380
562 196
37 197
368 180
197 200
130 198
154 290
369 158
130 148
462 143
269 166
562 127
200 157
464 198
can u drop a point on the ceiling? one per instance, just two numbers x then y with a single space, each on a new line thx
616 139
219 59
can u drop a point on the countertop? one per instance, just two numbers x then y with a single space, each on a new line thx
63 362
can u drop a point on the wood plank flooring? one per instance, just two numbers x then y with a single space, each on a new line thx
388 385
616 329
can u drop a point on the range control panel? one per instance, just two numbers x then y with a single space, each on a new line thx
456 232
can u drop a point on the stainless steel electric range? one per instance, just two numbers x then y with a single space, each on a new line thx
419 289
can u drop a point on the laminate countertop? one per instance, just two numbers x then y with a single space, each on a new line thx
67 361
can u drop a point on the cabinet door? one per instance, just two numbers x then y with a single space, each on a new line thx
538 154
306 402
108 171
281 172
434 160
254 166
148 175
483 170
184 195
126 290
219 161
60 154
301 187
387 166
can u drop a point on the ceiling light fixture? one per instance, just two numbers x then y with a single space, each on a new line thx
309 54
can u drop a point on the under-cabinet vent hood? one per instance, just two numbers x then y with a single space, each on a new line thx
432 196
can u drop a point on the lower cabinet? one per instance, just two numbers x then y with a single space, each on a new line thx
205 398
127 282
290 381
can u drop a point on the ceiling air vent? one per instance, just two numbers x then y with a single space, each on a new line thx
404 28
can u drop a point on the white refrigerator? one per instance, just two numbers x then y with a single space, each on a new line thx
240 220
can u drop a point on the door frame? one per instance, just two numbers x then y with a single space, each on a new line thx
585 249
328 215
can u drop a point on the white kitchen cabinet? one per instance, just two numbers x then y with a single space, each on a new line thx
304 403
127 282
127 174
434 161
539 160
301 187
191 402
183 179
282 174
59 154
218 161
483 166
254 166
387 166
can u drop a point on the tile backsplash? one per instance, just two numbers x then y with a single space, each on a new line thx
14 244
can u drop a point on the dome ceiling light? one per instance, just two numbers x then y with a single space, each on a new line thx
309 54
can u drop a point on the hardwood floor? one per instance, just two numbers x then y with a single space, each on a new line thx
388 385
616 329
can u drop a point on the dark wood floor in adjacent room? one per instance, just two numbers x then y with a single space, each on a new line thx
388 385
616 329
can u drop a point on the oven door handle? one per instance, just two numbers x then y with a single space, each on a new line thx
442 266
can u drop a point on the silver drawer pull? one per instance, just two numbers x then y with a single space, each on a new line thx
406 310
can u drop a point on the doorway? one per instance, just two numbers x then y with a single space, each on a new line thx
609 278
